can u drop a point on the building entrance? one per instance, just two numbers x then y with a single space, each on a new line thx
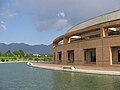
70 56
118 55
59 57
90 56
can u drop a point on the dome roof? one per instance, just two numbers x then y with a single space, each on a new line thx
97 20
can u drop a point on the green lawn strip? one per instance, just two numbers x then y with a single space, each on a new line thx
24 59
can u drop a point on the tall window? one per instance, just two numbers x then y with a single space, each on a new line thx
68 56
59 56
118 55
93 56
71 56
54 56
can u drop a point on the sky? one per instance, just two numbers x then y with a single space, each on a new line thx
36 22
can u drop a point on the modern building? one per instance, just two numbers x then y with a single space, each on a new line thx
93 42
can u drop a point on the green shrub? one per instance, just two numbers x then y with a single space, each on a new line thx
3 60
7 60
30 58
36 59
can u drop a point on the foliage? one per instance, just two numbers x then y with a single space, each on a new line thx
3 60
19 53
29 55
0 53
8 54
36 59
7 60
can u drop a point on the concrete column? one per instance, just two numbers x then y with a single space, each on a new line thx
76 56
64 57
56 57
66 39
107 55
81 56
99 56
55 45
104 32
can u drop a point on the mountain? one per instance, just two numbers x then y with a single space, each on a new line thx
33 49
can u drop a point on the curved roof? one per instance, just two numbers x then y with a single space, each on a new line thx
100 19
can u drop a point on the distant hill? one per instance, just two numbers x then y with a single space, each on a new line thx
33 49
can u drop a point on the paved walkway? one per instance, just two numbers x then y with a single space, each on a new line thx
92 69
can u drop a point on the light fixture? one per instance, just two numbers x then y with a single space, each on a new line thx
75 37
113 29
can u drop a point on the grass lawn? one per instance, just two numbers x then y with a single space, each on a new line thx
24 59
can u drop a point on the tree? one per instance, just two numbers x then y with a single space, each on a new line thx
36 59
0 53
8 54
19 53
29 55
16 53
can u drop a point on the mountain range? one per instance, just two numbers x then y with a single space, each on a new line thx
28 49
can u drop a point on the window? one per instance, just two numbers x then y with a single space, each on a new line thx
93 56
59 56
71 56
118 55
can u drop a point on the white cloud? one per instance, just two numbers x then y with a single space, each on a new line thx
61 23
2 25
2 22
43 25
9 15
54 24
61 14
7 12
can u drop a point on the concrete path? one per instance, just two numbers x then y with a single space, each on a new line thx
114 70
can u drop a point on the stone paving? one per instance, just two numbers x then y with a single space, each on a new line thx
91 69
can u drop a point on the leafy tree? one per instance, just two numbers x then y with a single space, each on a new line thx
8 54
19 53
16 53
29 55
0 53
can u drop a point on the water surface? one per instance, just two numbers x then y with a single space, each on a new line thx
18 76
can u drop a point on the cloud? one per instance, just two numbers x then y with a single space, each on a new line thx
54 24
2 25
62 13
43 25
56 21
8 15
8 12
2 22
60 24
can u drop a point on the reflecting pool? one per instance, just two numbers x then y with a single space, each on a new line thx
19 76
